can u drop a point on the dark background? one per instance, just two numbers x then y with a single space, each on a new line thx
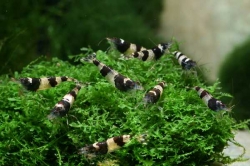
30 28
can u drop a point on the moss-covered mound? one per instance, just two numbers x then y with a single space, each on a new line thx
180 129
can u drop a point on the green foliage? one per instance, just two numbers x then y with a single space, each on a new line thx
59 28
181 129
234 76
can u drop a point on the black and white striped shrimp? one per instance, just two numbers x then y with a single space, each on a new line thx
64 105
107 146
116 79
154 94
35 84
124 47
184 61
110 145
152 54
209 100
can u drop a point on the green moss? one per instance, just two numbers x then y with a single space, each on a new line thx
181 129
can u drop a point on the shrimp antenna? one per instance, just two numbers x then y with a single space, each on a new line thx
152 41
100 41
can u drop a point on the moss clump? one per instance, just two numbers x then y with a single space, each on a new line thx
181 129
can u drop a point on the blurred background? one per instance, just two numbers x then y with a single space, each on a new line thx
51 28
214 33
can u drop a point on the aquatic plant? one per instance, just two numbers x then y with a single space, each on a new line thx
180 129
